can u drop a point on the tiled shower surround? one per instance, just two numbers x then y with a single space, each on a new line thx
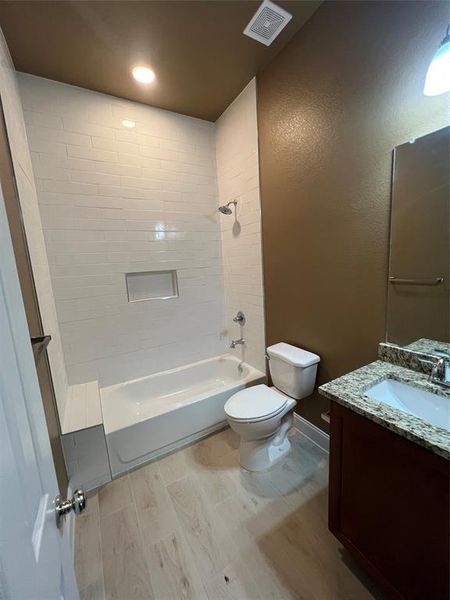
115 200
23 170
238 178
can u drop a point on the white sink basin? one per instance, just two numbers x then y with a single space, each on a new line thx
429 407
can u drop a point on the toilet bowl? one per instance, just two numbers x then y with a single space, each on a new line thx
262 416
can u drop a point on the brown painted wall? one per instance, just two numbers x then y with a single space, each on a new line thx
331 107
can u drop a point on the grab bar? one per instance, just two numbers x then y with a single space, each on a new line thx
435 281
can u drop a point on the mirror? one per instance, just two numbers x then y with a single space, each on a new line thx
419 262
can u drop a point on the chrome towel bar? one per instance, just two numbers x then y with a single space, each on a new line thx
434 281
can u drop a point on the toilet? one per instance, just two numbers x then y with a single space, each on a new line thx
262 416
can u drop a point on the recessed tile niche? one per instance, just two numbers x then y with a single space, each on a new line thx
152 285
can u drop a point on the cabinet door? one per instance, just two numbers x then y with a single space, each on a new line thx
389 506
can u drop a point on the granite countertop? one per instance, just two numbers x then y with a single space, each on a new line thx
427 346
349 391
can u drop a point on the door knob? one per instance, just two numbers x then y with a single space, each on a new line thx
77 503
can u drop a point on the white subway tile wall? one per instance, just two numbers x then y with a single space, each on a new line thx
32 221
115 200
238 179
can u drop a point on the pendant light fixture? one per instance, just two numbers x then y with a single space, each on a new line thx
438 75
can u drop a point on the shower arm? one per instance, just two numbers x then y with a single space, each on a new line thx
231 202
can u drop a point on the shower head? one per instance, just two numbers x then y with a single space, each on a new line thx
226 210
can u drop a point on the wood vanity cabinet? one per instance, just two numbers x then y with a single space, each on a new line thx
389 506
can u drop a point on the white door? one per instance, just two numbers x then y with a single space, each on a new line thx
35 558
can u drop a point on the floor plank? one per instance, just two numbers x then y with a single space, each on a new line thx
209 449
235 582
205 535
93 591
174 466
195 526
88 553
155 511
124 565
216 476
115 496
172 571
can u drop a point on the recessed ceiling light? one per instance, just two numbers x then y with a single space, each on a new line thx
128 123
143 74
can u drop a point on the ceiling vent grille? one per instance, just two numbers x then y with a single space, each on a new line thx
267 23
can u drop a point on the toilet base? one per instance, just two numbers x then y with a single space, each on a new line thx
261 455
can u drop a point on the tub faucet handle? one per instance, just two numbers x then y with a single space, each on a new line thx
239 318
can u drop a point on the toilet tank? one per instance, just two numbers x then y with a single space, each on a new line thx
292 369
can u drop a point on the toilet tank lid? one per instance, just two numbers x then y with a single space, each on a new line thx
293 355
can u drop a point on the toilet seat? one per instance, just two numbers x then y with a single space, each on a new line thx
254 404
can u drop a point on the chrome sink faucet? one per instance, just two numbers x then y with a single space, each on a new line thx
438 372
235 343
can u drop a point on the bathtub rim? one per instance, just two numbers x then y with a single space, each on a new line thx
252 375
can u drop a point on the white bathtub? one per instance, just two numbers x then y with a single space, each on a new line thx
148 417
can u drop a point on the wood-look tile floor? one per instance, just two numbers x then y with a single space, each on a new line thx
193 525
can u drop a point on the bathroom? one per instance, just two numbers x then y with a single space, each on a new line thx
225 310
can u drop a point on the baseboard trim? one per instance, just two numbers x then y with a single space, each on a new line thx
316 435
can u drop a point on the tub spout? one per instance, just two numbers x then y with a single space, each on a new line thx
235 343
